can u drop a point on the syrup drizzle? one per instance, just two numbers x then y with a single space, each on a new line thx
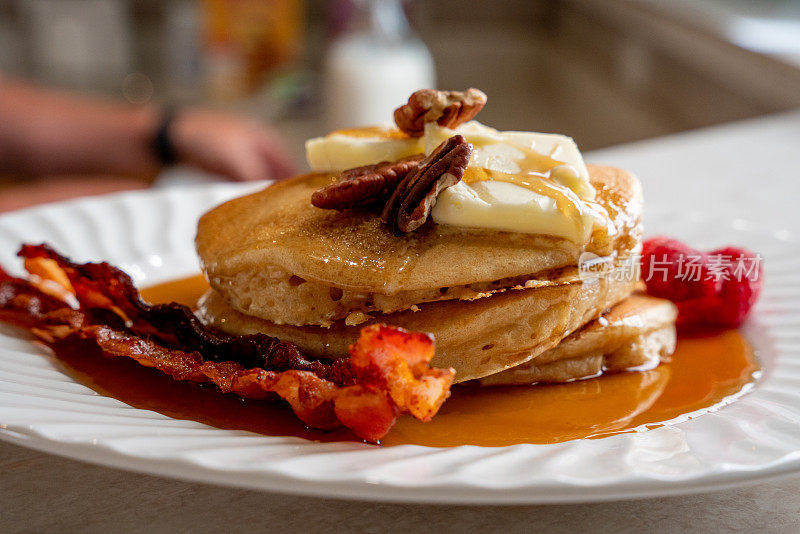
706 371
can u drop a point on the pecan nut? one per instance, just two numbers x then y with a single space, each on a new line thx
362 187
412 201
447 108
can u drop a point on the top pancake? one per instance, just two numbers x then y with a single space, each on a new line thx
278 230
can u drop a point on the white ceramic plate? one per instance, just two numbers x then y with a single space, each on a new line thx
150 235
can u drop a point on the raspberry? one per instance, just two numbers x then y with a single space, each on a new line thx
676 271
728 285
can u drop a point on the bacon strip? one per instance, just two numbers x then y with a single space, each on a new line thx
387 373
103 286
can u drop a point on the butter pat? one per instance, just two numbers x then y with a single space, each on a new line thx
518 182
508 207
552 156
345 149
524 182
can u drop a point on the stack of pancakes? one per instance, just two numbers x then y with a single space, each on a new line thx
504 307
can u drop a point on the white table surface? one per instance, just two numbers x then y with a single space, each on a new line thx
726 169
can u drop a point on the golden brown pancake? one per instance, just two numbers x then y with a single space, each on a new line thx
636 334
275 257
477 338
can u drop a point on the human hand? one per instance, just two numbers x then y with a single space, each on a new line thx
230 146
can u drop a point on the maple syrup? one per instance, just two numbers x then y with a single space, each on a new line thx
706 371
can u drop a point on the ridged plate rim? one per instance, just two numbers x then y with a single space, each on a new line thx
150 234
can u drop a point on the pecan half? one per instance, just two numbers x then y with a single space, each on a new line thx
411 203
447 108
365 186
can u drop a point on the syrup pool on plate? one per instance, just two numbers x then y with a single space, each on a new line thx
706 371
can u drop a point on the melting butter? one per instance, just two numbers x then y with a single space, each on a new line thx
553 156
568 205
517 181
516 203
345 149
372 132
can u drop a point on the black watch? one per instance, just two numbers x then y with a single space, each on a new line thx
162 142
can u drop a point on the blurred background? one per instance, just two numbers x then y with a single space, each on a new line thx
602 71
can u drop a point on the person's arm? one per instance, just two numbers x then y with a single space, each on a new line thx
45 132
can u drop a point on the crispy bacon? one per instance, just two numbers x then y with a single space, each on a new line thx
396 360
387 373
103 286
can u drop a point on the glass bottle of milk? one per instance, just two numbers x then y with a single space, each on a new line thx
373 68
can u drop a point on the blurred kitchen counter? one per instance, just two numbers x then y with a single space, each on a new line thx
603 72
770 27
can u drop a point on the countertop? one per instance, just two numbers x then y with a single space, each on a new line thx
727 167
769 27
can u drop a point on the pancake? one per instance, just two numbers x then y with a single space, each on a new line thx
477 338
275 257
636 334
